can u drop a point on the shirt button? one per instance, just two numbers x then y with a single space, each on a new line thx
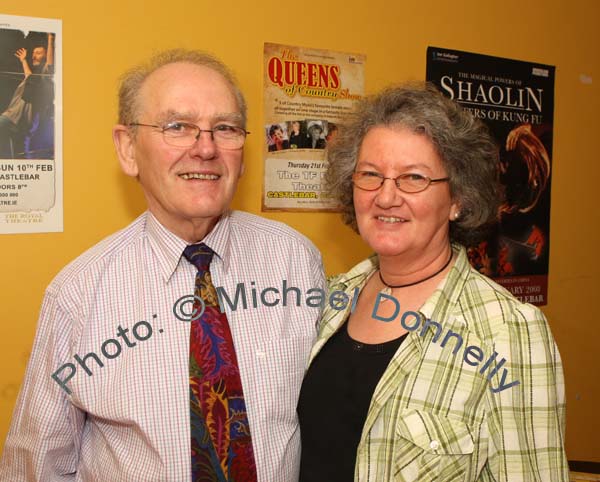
434 445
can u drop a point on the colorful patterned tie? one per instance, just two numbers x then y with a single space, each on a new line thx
221 442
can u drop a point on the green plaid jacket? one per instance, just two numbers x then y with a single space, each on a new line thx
435 415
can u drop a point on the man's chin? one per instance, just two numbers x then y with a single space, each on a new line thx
205 214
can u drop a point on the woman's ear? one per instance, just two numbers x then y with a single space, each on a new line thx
454 213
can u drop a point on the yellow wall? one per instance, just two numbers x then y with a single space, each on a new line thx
103 38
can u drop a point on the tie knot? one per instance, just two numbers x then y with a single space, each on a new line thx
199 255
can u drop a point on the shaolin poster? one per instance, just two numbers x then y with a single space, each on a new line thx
516 100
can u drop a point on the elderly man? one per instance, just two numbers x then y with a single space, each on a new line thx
127 380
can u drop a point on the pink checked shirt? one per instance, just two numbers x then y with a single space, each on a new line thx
129 419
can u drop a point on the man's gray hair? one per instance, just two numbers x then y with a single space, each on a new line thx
132 80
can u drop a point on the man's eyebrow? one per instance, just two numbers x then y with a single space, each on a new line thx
233 117
173 115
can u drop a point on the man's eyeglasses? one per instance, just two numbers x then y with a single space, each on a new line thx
408 182
184 134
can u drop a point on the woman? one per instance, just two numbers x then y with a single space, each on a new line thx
435 372
298 138
277 138
316 140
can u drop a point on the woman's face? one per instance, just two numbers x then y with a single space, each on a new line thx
277 135
315 132
393 222
296 127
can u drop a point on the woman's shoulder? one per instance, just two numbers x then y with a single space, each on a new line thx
493 309
354 277
481 282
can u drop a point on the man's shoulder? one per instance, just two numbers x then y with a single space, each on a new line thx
94 259
265 231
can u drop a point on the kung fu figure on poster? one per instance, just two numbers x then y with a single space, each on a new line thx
26 95
522 231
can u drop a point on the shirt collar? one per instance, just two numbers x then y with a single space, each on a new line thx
168 247
219 240
445 297
438 304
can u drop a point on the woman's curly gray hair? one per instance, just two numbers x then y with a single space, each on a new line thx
467 150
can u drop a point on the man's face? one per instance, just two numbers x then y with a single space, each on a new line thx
38 56
194 184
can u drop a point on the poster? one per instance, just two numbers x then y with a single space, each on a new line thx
516 100
31 191
307 91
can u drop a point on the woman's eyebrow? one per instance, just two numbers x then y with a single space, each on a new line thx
404 168
417 166
366 164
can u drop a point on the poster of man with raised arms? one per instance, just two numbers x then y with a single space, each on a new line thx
30 125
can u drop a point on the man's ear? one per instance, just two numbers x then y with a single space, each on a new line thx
125 146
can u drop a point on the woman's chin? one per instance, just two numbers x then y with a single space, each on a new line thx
385 249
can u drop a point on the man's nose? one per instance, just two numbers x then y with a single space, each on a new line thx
205 145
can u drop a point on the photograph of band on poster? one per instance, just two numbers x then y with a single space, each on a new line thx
307 92
31 198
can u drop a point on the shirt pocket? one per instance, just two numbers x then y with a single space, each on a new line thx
432 447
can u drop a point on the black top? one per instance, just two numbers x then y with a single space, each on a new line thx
298 141
334 401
